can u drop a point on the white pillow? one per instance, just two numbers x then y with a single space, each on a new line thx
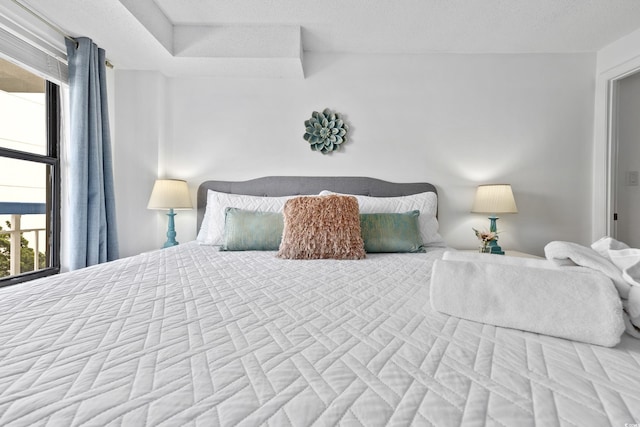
212 227
426 203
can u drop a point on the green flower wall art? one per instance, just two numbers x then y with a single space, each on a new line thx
325 131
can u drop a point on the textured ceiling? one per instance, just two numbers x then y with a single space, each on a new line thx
265 38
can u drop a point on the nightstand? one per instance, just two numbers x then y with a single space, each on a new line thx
507 253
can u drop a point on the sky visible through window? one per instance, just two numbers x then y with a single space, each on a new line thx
23 127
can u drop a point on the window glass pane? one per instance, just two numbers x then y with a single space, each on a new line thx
22 110
23 219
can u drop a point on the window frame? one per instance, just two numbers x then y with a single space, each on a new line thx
51 159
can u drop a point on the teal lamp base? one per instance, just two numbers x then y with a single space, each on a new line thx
171 232
494 248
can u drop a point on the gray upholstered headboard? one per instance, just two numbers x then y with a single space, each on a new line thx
274 186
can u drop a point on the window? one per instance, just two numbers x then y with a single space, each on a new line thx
29 175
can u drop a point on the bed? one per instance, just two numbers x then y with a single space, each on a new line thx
192 335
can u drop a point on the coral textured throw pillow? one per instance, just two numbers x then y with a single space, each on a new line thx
321 227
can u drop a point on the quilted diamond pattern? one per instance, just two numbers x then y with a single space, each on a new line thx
192 336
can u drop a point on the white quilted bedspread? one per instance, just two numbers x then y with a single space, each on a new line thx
192 336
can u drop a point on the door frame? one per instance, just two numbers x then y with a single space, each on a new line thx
605 146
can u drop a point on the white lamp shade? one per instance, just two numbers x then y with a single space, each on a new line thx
494 199
170 194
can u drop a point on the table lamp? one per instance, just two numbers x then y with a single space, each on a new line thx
494 199
170 194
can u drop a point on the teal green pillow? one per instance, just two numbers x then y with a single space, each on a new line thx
391 232
246 230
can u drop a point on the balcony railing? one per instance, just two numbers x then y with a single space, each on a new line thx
16 210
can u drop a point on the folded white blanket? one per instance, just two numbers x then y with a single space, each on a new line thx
577 305
586 257
628 261
617 261
605 244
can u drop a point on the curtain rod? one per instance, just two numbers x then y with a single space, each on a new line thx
53 27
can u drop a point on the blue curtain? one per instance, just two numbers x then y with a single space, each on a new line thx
92 216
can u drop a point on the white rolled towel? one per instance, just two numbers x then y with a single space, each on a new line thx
509 260
576 305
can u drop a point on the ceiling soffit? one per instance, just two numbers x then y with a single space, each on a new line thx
280 45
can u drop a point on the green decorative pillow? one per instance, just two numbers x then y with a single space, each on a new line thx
252 230
391 232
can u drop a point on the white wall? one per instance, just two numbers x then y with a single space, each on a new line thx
139 128
453 120
628 196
